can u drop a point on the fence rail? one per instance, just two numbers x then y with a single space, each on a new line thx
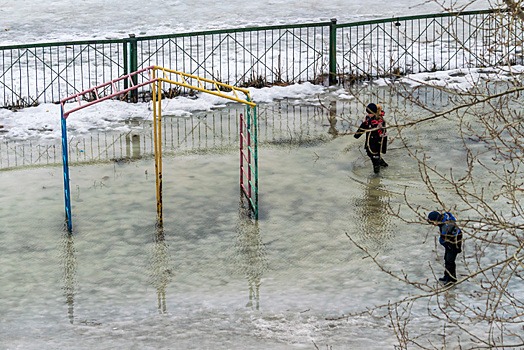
318 52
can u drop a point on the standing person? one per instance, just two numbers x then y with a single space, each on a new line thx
374 127
451 239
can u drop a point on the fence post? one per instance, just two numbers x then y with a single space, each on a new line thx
333 52
131 64
125 60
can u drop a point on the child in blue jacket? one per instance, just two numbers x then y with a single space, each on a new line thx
451 239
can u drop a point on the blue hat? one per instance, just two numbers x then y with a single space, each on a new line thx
372 108
434 216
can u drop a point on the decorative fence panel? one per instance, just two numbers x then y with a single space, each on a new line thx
245 57
45 73
429 43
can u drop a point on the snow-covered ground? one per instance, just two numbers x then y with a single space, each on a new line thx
28 21
43 122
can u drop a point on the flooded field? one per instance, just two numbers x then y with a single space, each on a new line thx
212 278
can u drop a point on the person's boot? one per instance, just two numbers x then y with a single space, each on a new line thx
383 163
443 279
376 169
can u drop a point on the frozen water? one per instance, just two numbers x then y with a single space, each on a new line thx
211 278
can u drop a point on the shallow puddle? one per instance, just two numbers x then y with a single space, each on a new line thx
212 278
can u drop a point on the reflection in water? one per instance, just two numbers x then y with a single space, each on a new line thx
132 141
133 146
279 122
374 214
69 264
161 273
251 254
332 118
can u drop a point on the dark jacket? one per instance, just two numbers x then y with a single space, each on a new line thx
450 233
377 139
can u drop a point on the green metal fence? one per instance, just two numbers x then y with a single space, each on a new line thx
45 73
319 52
430 43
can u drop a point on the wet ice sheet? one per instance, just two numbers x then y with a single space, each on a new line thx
214 280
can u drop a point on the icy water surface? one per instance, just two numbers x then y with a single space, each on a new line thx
212 279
